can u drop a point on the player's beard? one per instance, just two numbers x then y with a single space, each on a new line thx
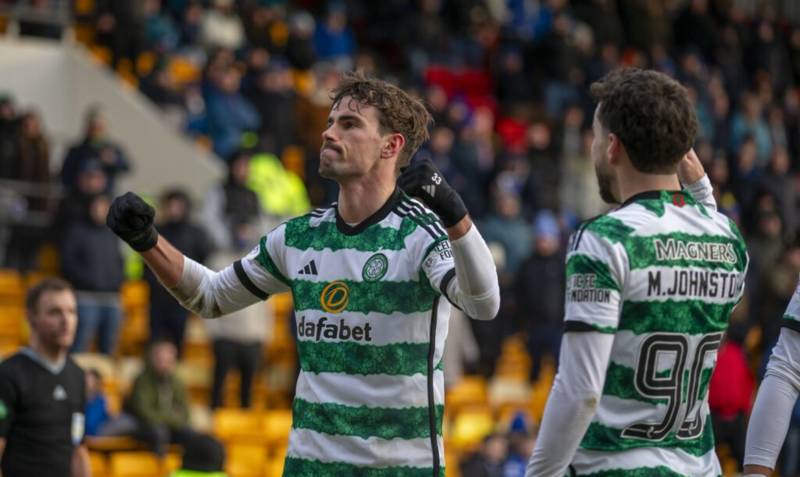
605 183
327 165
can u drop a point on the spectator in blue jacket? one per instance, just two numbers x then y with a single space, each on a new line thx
229 114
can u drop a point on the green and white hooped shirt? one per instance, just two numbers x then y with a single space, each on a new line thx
662 274
371 316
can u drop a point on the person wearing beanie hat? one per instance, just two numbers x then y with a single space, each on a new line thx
539 292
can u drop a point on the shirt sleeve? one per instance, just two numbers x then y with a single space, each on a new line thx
9 396
703 192
776 399
438 264
576 391
265 266
596 272
464 272
254 277
595 275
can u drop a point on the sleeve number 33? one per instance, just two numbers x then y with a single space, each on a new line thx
653 384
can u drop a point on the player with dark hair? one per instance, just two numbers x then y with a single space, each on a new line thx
373 277
42 392
650 288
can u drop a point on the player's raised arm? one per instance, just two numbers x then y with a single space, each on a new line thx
205 292
777 395
475 289
693 176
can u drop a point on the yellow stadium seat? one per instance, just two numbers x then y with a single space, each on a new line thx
303 82
145 62
84 7
281 304
183 71
135 331
135 293
277 425
170 463
293 159
98 464
279 33
13 325
451 461
245 460
198 352
32 278
134 464
112 443
84 34
278 451
274 468
470 391
12 290
8 348
49 260
238 425
470 427
101 54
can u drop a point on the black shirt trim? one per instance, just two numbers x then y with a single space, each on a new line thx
649 194
371 220
446 279
577 326
791 324
432 418
251 287
579 233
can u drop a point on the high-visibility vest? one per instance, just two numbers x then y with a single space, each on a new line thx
280 191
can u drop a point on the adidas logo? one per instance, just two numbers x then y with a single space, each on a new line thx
430 189
309 269
59 394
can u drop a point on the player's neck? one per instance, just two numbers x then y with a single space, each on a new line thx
51 354
633 182
360 199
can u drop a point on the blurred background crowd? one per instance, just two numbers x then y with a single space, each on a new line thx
507 83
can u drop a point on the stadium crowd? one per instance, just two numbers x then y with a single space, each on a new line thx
507 83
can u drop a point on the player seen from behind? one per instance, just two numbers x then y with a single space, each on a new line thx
650 288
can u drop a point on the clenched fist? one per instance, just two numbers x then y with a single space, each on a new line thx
132 220
423 180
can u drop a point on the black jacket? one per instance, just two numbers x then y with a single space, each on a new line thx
539 290
91 259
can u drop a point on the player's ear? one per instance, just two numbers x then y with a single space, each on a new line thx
392 145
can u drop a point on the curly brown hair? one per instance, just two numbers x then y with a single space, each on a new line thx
650 113
398 112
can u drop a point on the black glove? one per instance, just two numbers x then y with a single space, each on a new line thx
422 179
132 220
